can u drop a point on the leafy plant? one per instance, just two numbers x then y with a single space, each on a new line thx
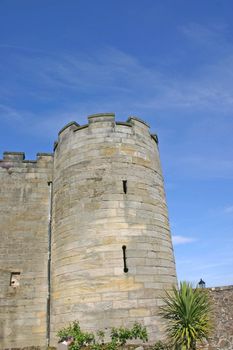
119 337
80 338
187 311
139 332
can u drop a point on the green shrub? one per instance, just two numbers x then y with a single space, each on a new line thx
80 338
119 337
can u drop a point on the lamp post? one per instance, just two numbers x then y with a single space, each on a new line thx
201 283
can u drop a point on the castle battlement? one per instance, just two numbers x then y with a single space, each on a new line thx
19 157
106 122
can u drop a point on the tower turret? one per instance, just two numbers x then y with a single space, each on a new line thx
112 254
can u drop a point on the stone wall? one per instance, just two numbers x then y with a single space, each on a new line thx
222 299
24 208
95 215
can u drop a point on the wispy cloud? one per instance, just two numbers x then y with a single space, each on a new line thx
227 262
215 273
10 114
67 87
229 209
205 34
49 90
111 71
177 240
202 165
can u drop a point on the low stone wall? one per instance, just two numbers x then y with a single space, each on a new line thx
222 298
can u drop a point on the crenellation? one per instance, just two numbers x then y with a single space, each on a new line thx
13 156
70 126
124 124
135 121
17 160
44 156
101 117
155 137
81 127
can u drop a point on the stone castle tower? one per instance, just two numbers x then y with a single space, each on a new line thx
84 234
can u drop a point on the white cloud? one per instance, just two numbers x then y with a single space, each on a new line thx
229 210
182 240
204 34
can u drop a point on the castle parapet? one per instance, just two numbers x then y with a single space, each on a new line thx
135 121
101 117
13 156
106 121
43 156
70 126
14 159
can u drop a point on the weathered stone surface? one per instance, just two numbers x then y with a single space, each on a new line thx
24 203
222 300
93 216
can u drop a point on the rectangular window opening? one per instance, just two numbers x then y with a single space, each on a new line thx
124 186
15 278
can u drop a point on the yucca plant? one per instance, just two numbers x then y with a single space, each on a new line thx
187 311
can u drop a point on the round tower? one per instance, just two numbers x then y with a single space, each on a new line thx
112 255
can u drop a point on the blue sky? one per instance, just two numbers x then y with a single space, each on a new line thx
170 62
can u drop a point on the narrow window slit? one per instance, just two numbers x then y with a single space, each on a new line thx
124 186
124 258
